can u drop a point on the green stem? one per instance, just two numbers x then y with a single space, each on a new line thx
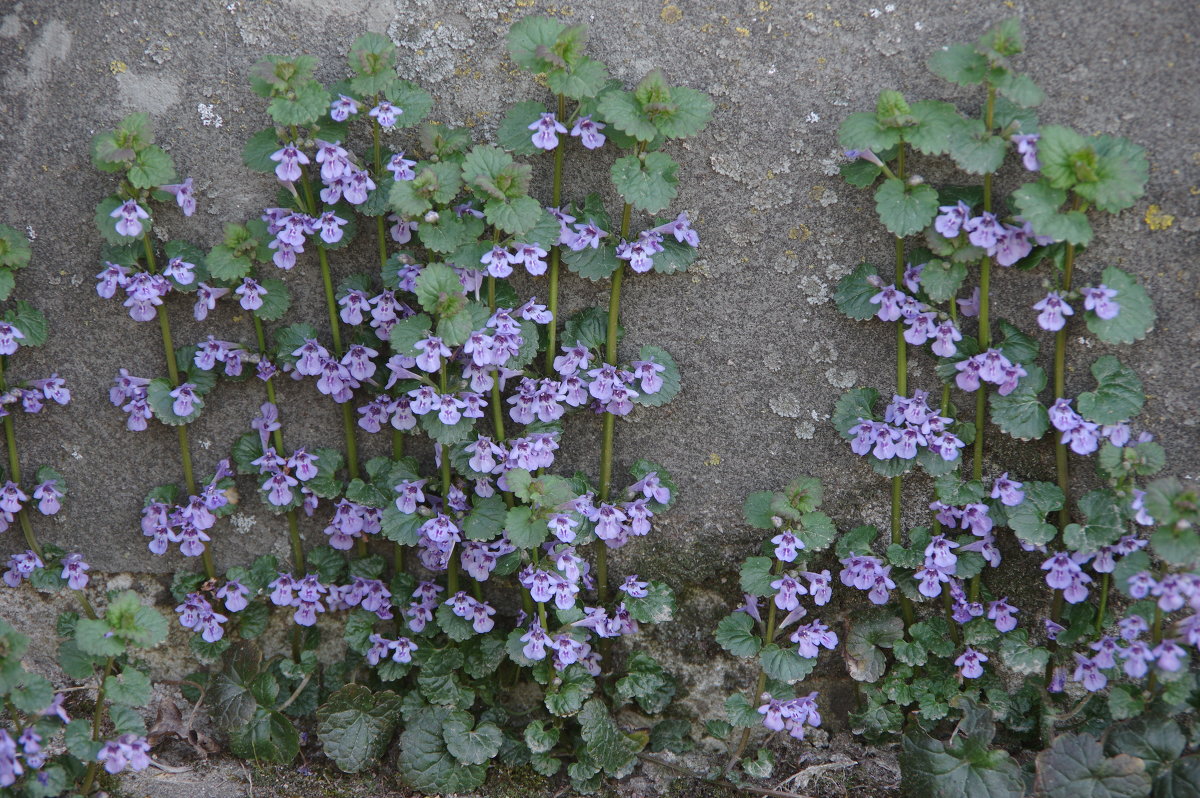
381 236
97 720
555 201
1104 583
185 455
452 564
985 325
606 448
1061 461
760 682
901 389
277 439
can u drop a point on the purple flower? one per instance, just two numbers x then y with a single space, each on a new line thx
681 229
401 167
545 130
206 300
969 307
586 235
341 108
1053 312
251 293
952 218
289 159
588 132
1027 148
531 256
357 186
130 214
385 114
970 663
75 571
186 399
1008 491
1089 673
183 196
889 300
48 495
234 593
330 226
1002 613
1013 244
985 230
1137 658
1099 301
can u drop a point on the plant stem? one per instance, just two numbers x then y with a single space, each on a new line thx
606 448
555 201
185 456
277 439
97 719
985 324
452 563
760 682
1060 389
901 389
381 236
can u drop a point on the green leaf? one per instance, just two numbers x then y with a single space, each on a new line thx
622 110
514 216
648 183
1039 203
152 167
936 123
604 743
268 737
426 764
862 131
942 279
1118 395
1136 316
583 80
860 173
438 288
1104 525
1120 174
15 252
854 404
959 63
690 113
735 634
79 742
974 149
471 746
854 292
356 725
450 232
456 628
857 540
486 519
514 134
523 531
647 683
414 100
761 766
657 606
407 332
531 43
1020 89
1028 519
756 576
30 321
670 377
158 394
905 210
227 265
539 738
1155 740
276 299
1124 702
132 688
31 692
1075 765
1016 345
932 768
1020 414
817 531
741 712
868 636
309 105
568 690
785 664
1021 657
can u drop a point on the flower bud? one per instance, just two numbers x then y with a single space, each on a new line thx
431 217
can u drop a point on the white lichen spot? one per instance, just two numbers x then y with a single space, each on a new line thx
205 444
823 352
243 522
828 197
209 117
812 117
119 581
773 360
919 25
890 7
817 290
840 378
30 233
805 430
785 404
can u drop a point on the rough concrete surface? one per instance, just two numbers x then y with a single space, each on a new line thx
763 351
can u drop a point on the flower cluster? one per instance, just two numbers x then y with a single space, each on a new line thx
127 751
188 523
908 425
792 716
1006 243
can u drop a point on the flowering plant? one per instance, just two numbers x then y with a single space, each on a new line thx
983 657
489 582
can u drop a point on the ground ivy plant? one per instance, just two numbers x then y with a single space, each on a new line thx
1097 674
43 751
466 581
